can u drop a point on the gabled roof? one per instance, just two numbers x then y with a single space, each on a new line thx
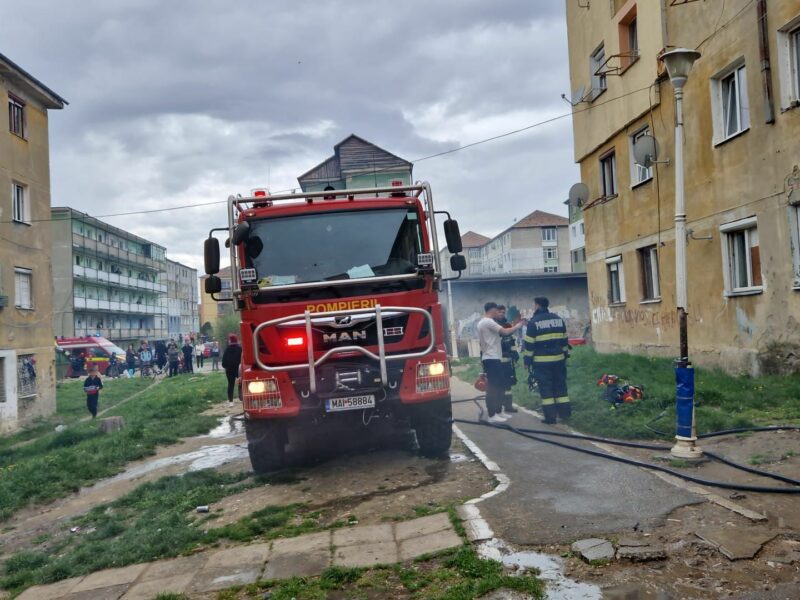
540 218
12 72
473 240
353 155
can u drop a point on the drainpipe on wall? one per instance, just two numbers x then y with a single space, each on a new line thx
664 29
763 53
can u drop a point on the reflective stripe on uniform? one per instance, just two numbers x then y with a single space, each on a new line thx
562 400
548 401
550 336
505 359
529 339
548 359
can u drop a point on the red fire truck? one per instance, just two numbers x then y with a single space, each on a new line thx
341 324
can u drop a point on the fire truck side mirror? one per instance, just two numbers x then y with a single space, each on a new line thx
241 232
453 236
211 256
213 284
458 262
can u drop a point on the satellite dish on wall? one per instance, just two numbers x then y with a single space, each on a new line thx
578 194
645 151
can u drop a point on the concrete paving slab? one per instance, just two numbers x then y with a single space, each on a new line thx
215 579
642 553
366 534
50 592
113 592
147 590
422 526
173 567
284 566
304 543
240 556
426 544
366 555
594 549
477 530
736 542
558 495
110 577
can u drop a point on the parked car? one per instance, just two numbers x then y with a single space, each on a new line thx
86 352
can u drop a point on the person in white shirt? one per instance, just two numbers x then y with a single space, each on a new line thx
489 333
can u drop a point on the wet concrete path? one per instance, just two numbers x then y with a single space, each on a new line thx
556 495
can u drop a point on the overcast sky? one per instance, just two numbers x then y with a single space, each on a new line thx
187 101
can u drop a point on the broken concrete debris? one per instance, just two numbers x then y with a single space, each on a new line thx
594 549
736 543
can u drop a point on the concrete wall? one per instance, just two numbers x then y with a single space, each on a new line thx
745 176
26 332
568 297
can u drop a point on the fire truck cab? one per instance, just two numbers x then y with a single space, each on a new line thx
340 317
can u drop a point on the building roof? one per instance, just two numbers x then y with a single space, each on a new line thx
353 155
473 240
15 74
540 218
63 213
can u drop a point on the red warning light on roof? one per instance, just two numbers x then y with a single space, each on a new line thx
397 182
260 193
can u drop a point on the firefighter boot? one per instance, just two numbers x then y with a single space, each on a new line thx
564 410
550 411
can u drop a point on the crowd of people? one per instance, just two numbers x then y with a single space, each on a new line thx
545 351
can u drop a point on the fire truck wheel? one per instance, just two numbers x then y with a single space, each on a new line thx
433 424
266 441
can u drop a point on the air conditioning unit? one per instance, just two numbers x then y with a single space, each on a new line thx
3 301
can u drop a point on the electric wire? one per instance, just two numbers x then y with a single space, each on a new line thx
535 434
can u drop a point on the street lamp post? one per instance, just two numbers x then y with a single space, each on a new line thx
679 62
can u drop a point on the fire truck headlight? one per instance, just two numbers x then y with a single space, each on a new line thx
436 368
257 387
433 369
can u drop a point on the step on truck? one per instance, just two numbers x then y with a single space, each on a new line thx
341 325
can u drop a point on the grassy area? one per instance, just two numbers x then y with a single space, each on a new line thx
457 575
722 401
71 407
156 520
56 464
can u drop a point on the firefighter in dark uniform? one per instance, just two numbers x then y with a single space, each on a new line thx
545 354
507 345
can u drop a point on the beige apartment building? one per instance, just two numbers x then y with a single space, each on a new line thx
210 310
741 151
27 357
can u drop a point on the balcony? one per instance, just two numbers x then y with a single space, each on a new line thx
96 304
115 253
123 333
120 280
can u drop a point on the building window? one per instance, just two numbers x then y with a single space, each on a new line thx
608 174
20 207
789 63
639 173
730 106
22 288
616 280
628 39
648 260
549 234
551 253
596 63
16 116
582 230
741 256
26 375
551 269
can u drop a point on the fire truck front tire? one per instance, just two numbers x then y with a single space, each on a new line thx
433 423
266 443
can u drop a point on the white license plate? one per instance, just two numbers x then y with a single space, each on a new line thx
350 403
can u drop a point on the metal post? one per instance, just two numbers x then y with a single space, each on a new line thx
451 322
686 434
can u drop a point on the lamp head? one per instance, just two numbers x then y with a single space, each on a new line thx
679 62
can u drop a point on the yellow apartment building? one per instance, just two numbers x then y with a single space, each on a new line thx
27 358
741 151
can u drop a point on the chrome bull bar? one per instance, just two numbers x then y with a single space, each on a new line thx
381 357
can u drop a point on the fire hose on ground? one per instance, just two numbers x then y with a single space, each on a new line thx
536 435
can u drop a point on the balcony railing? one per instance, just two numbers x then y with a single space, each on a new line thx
133 283
115 253
118 307
114 334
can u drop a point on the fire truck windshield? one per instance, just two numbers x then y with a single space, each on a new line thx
331 246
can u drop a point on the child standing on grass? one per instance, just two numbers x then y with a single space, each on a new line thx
92 386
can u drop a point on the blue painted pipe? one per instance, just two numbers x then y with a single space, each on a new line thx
684 394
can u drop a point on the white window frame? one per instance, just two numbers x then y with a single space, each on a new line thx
20 203
599 83
551 269
553 250
23 298
652 253
794 235
639 174
727 230
17 105
614 264
546 234
789 63
609 157
720 99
